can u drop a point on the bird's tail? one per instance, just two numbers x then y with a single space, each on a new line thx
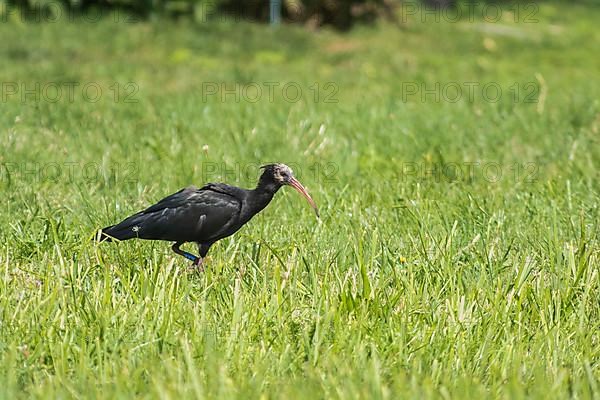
122 231
103 236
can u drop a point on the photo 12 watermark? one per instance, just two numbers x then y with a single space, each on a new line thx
470 11
270 91
69 92
68 172
319 172
57 11
454 92
487 171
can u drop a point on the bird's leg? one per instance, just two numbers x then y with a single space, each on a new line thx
198 264
202 250
185 254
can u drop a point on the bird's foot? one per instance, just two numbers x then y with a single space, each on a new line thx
197 265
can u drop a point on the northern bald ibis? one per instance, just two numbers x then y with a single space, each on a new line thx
204 215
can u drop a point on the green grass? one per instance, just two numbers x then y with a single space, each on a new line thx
419 282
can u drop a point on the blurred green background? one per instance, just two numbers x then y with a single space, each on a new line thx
457 255
341 14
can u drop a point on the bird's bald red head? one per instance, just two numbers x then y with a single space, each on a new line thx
281 174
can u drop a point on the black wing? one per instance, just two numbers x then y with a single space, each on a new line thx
190 215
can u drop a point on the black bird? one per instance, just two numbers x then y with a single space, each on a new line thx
204 215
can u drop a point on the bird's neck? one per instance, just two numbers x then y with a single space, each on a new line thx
261 196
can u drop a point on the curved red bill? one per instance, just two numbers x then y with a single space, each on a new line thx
293 182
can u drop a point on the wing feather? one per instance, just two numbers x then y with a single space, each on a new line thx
190 215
